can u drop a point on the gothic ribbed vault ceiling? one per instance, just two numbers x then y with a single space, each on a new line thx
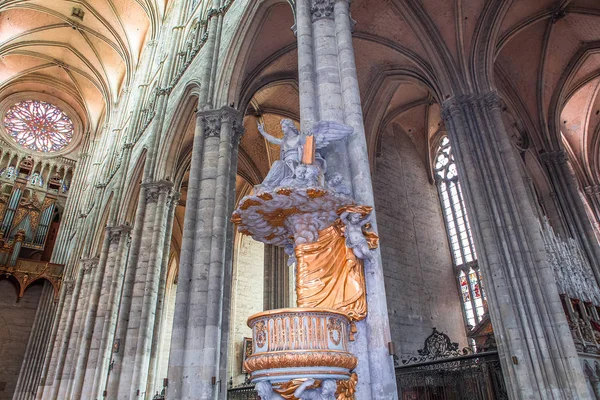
83 52
546 61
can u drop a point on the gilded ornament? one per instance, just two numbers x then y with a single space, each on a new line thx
278 217
249 203
265 196
236 219
315 193
347 389
284 191
335 330
289 388
304 359
261 334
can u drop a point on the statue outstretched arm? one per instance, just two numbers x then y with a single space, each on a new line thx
270 139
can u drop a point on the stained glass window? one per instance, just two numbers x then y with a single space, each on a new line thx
459 235
39 126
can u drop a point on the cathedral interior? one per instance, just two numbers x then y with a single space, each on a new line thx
130 131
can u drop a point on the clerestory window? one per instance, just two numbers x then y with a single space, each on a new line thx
459 235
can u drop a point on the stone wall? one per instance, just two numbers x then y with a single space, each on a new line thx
16 320
420 286
246 298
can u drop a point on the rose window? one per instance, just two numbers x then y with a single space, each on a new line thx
39 126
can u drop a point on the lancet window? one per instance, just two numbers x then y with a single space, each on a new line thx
460 238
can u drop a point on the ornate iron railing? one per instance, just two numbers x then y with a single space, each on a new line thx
242 393
443 372
472 377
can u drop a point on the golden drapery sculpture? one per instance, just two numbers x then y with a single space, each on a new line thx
329 275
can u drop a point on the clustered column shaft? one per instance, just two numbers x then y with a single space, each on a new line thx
537 353
200 310
329 91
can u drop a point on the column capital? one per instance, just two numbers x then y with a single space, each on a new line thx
173 199
88 264
156 188
481 101
238 132
555 157
116 232
321 9
69 286
212 120
229 114
212 125
593 190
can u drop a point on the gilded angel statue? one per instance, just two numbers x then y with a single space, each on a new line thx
292 144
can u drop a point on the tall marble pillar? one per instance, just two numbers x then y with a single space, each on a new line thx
329 91
201 312
537 353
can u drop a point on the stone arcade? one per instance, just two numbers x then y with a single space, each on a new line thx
299 199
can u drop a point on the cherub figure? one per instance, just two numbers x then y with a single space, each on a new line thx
326 392
336 182
306 175
265 391
357 218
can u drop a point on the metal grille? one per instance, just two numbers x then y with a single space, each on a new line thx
471 377
242 393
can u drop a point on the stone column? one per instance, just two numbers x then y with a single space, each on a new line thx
104 332
77 307
186 259
103 309
159 325
572 207
137 338
90 321
328 82
537 353
114 373
200 311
